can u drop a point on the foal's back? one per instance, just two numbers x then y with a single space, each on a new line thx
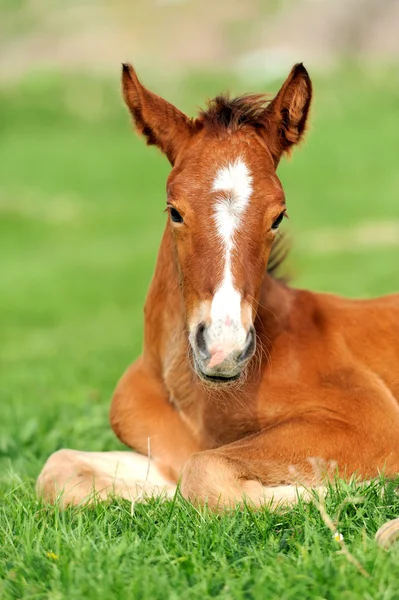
368 331
320 336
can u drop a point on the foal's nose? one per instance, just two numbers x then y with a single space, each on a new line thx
220 351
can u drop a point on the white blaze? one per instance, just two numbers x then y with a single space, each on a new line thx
234 183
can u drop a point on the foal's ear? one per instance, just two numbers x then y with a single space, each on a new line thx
158 120
288 112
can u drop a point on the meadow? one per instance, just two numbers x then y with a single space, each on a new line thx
81 215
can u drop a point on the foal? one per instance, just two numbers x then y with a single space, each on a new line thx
244 382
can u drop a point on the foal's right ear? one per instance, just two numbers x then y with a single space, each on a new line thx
162 123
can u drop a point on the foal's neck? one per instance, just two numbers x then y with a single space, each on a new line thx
274 308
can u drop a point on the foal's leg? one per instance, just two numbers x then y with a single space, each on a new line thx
141 411
75 477
268 466
219 480
143 418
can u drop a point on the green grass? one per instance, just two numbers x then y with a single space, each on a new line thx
81 215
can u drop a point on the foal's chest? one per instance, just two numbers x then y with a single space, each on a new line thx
216 417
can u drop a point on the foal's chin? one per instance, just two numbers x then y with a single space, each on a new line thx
218 379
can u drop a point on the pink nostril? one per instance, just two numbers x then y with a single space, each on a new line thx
227 322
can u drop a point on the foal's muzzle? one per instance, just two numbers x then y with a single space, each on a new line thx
222 361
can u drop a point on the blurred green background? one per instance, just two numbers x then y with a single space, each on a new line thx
82 198
81 216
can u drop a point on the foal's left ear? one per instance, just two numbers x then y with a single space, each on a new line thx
288 111
159 121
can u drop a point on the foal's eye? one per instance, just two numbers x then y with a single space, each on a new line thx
175 215
277 222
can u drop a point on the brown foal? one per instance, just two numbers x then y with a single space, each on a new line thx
244 381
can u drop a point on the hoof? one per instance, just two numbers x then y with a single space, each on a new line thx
388 534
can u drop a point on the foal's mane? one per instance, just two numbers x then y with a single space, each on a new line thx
224 112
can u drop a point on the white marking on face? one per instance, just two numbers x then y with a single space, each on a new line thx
235 184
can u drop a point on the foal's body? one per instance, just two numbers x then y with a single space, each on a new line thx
331 370
234 422
325 385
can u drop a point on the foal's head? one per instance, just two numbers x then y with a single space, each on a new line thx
225 204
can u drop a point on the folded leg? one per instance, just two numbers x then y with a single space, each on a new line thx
78 477
267 467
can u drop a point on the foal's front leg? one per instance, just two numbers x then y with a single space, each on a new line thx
143 418
74 477
270 466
